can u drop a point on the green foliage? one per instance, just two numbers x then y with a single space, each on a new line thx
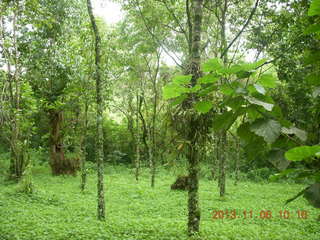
57 210
224 120
26 184
214 64
182 79
203 107
266 106
268 81
314 8
267 128
302 153
260 174
173 90
312 194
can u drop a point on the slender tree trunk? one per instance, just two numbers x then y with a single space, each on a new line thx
137 160
238 155
215 157
145 132
223 140
222 164
153 155
192 155
99 133
83 150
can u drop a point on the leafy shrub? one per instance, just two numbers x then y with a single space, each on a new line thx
260 174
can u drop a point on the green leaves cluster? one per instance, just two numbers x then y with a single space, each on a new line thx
244 92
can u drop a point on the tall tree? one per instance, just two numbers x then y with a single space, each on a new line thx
192 156
18 111
99 102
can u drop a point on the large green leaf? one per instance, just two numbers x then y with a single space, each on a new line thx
252 100
276 157
233 69
182 79
224 120
244 133
178 100
195 89
312 194
314 8
254 65
244 74
302 135
226 89
211 65
172 90
205 91
301 153
203 107
269 129
234 103
260 89
243 70
268 80
209 78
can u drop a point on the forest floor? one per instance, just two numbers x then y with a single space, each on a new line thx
58 211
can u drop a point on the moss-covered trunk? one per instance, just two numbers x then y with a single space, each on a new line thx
192 155
99 101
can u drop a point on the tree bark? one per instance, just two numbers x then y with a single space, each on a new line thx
137 160
58 163
83 149
153 154
192 155
238 155
222 164
99 133
223 140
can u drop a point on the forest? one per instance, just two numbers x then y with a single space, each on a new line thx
184 119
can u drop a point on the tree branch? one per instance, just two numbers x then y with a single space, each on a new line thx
154 36
243 28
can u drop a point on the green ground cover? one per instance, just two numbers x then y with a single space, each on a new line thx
58 211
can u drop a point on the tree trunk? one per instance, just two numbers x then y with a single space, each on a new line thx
17 140
99 133
153 154
58 163
18 155
192 155
223 140
215 157
137 160
238 155
222 164
83 150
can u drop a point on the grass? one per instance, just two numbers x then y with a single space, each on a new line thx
58 211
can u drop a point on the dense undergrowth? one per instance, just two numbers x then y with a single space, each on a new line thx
58 211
